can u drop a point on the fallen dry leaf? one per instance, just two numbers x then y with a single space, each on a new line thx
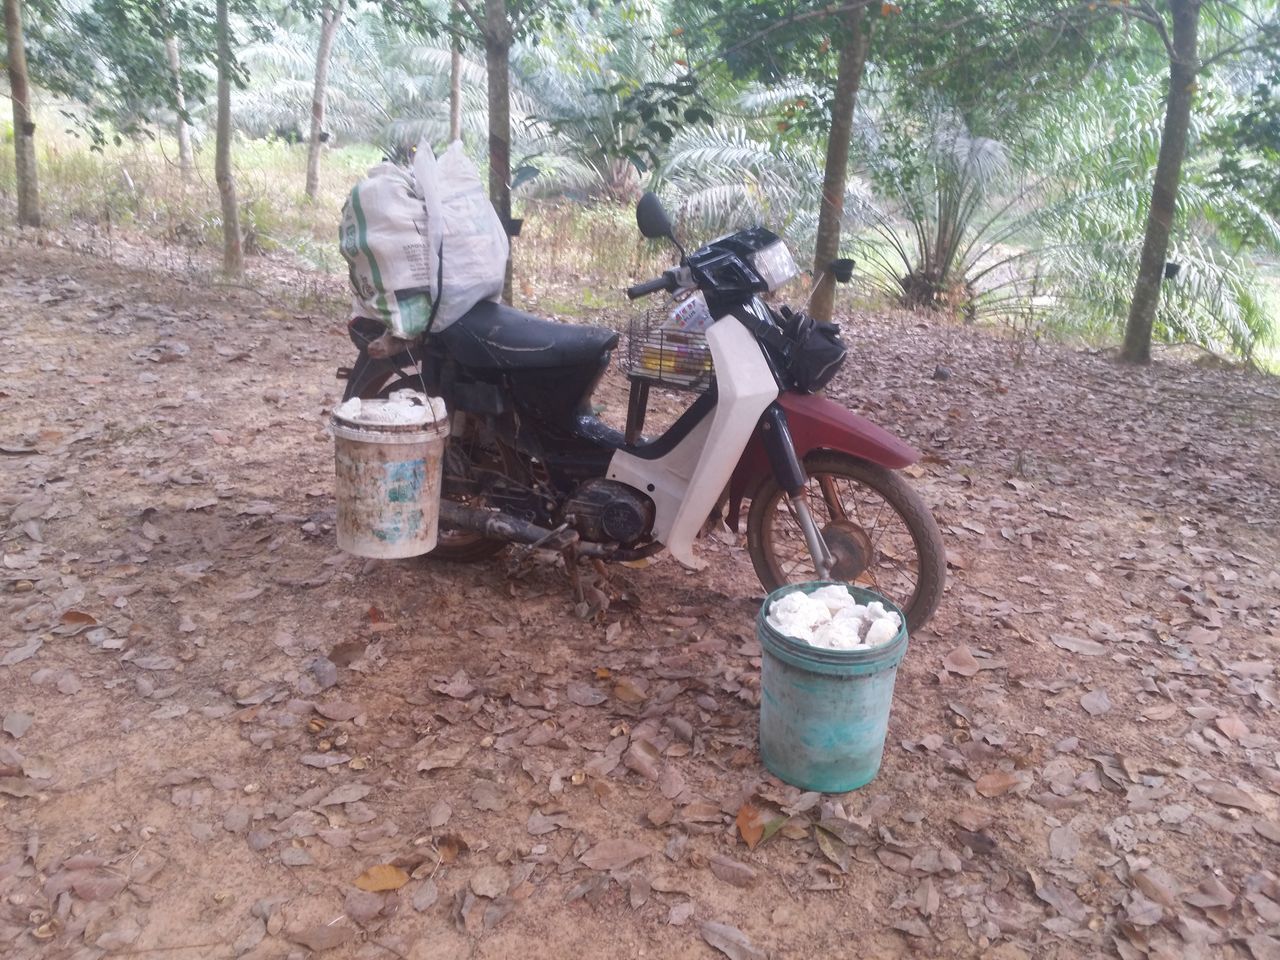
323 760
1227 795
1232 727
38 768
459 686
629 690
733 871
750 823
1096 702
24 652
1062 899
680 913
338 710
382 876
438 814
912 927
731 941
490 882
347 793
444 757
425 896
540 824
18 787
998 782
583 694
1064 844
614 854
644 759
833 848
701 812
323 937
364 906
16 724
961 661
1081 645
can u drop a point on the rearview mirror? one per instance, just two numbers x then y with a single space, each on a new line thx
652 219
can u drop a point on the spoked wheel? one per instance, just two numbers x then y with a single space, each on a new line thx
458 546
882 535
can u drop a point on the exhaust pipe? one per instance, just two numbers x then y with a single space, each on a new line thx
497 525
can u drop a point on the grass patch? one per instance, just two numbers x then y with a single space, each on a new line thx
138 186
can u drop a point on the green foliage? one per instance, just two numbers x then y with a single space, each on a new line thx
579 82
939 178
387 86
1091 211
108 57
733 176
1248 141
1001 164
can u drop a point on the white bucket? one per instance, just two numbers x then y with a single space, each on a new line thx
387 483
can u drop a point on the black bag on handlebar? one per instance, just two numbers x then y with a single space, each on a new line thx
815 352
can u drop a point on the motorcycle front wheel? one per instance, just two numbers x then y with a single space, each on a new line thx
882 534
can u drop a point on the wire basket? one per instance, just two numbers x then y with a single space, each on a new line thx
660 354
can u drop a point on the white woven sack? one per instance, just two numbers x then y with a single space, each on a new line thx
475 246
390 236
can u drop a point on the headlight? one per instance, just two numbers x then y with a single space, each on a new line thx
775 265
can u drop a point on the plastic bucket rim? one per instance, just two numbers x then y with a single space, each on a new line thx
882 656
426 432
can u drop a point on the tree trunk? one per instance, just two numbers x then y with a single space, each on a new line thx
455 89
330 17
186 159
1183 67
232 247
497 50
24 128
853 58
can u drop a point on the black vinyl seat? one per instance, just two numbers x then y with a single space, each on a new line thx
492 336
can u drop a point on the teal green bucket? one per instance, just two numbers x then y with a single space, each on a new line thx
824 713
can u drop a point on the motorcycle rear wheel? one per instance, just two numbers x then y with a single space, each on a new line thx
454 546
883 535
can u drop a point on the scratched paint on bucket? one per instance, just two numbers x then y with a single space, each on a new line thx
387 482
401 484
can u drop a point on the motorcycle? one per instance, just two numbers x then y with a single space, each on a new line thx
528 463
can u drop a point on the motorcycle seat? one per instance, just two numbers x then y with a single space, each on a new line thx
493 336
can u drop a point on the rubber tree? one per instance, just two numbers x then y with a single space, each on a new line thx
850 66
497 57
826 44
232 243
1181 43
495 26
455 85
182 129
330 19
127 65
24 127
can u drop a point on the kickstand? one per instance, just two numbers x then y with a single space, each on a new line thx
602 571
575 576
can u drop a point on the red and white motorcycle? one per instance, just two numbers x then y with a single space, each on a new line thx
527 461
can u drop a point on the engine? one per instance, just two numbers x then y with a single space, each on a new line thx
604 511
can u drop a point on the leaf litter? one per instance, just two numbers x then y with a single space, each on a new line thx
581 730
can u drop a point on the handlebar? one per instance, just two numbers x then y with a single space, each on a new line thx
665 282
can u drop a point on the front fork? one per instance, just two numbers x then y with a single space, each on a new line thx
789 472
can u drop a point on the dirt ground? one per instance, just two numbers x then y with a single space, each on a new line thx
218 729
